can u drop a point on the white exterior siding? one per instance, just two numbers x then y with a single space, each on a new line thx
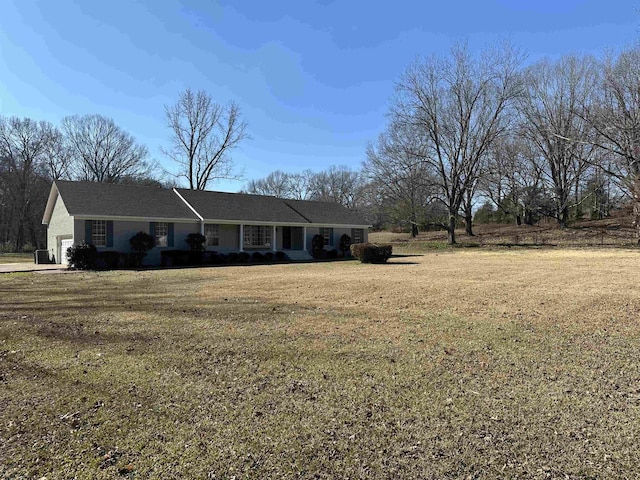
60 227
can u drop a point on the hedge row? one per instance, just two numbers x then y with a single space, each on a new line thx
85 256
189 257
371 253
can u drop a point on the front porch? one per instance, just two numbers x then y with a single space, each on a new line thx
272 237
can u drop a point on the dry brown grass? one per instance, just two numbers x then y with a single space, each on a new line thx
616 231
455 364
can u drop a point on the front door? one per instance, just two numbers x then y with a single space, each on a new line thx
286 238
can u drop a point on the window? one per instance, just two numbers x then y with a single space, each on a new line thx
257 236
161 234
99 233
211 231
327 234
357 235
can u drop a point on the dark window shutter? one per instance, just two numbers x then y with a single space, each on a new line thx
331 237
152 229
170 239
109 233
87 231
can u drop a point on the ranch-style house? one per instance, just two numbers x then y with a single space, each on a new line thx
108 215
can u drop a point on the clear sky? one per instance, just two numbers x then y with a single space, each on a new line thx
313 78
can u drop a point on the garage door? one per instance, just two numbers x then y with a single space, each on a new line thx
64 244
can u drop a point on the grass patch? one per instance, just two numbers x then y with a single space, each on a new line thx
499 364
16 257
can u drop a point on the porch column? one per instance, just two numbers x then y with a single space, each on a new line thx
273 239
304 238
201 228
241 244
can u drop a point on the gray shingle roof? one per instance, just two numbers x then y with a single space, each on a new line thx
240 206
113 200
326 212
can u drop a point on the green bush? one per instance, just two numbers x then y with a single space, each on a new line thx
317 246
281 256
268 256
196 241
345 244
140 244
371 253
257 257
243 257
82 256
107 260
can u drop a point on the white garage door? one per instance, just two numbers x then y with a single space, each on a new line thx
64 244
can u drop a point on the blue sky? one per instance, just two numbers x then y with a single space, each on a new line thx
313 78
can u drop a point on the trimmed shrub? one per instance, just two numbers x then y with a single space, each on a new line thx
332 254
196 257
82 256
257 257
345 243
140 244
371 253
107 260
317 246
281 256
233 257
243 257
175 258
196 241
126 260
268 256
210 257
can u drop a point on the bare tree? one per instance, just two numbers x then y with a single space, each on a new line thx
459 102
337 184
513 180
203 133
276 183
396 168
615 117
555 93
58 157
300 185
23 144
102 151
281 184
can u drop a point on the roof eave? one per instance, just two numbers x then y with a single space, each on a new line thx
51 201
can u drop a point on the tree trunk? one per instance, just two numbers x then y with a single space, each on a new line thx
578 203
563 218
468 223
414 229
451 236
518 219
528 217
636 208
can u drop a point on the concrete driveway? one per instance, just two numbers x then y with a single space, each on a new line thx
29 267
